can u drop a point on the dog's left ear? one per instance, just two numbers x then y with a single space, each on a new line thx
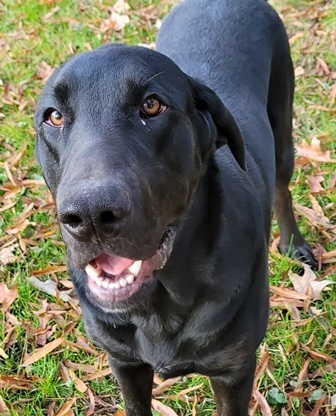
207 101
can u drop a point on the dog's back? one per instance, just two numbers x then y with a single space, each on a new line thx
231 46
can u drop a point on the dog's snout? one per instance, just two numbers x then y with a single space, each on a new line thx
95 213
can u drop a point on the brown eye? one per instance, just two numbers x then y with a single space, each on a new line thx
152 107
55 119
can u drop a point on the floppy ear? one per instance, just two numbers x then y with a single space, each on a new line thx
207 101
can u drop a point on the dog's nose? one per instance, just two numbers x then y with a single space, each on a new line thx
95 213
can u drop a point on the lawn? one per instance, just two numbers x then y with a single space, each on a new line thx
47 366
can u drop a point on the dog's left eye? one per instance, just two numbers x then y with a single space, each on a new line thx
152 107
55 119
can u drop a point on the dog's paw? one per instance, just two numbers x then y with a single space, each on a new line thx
300 251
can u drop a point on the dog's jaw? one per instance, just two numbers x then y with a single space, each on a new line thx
115 279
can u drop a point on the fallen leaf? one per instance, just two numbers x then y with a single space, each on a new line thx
165 385
120 413
299 71
163 409
264 406
115 22
42 352
15 383
50 287
315 183
7 296
80 386
4 410
98 374
121 6
313 151
322 67
44 71
307 283
65 409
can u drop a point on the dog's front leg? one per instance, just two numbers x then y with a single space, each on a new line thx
232 396
136 382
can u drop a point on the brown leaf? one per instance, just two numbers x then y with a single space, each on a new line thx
4 410
115 22
313 151
19 226
64 372
315 183
98 374
288 293
44 71
322 67
265 409
163 385
15 383
120 413
163 409
65 409
42 352
49 270
317 355
80 386
307 284
7 296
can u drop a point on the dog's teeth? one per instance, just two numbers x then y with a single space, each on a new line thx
105 283
116 285
122 282
92 272
98 282
111 286
129 278
135 268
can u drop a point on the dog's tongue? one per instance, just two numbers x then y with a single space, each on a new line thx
113 264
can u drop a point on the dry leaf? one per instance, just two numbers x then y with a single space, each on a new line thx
44 71
313 152
65 409
4 410
80 386
42 352
120 413
299 71
307 283
116 22
15 383
315 183
163 385
264 406
50 287
322 67
7 296
121 6
7 256
163 409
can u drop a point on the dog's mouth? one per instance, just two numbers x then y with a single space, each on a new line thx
112 278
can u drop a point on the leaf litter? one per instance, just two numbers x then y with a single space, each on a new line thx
305 296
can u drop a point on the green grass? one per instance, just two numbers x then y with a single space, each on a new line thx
35 31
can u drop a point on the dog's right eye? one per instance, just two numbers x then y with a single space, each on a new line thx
55 119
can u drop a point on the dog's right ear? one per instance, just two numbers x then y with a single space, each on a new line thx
209 104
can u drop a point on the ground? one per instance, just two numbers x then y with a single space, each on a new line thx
47 366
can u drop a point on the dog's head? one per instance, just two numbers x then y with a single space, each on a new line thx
123 138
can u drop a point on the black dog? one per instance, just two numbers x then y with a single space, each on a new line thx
167 228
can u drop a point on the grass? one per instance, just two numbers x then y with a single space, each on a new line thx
301 340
